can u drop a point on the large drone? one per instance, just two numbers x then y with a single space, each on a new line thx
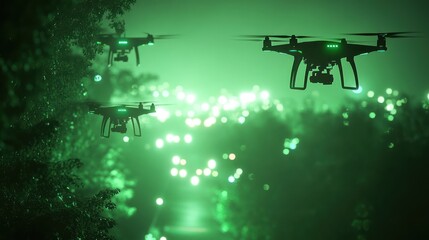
119 115
122 46
321 56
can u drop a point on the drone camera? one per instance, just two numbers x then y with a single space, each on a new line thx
324 78
123 58
119 129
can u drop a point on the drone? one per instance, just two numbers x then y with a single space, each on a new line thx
120 46
119 115
321 56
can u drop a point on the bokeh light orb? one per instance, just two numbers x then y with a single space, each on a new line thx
97 78
175 160
231 156
211 164
126 139
159 143
188 138
174 172
231 179
195 180
159 201
183 173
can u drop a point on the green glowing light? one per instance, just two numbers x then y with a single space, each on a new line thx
195 180
225 156
286 151
207 171
389 91
176 160
391 145
372 115
159 201
266 187
183 162
122 42
241 120
122 110
126 139
159 143
380 99
188 138
98 42
174 172
224 194
162 238
427 96
265 95
183 173
332 45
390 118
239 171
97 78
370 94
231 156
345 115
390 107
211 163
199 171
231 179
215 173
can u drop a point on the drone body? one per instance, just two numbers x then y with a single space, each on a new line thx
122 46
118 116
321 56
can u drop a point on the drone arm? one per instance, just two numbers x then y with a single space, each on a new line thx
138 131
136 49
353 65
297 60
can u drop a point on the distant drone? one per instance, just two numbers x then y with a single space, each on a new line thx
321 56
118 117
121 45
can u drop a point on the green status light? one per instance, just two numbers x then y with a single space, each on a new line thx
123 42
332 45
122 110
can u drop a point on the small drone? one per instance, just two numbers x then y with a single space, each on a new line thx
119 115
321 56
122 46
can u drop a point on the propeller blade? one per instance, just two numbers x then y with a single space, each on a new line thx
276 36
385 34
260 40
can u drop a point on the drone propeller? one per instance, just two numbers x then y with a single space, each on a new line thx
387 34
162 36
276 36
348 41
259 40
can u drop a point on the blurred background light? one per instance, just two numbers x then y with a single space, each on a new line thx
159 201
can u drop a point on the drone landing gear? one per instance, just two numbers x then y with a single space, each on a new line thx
297 60
353 65
138 130
103 127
